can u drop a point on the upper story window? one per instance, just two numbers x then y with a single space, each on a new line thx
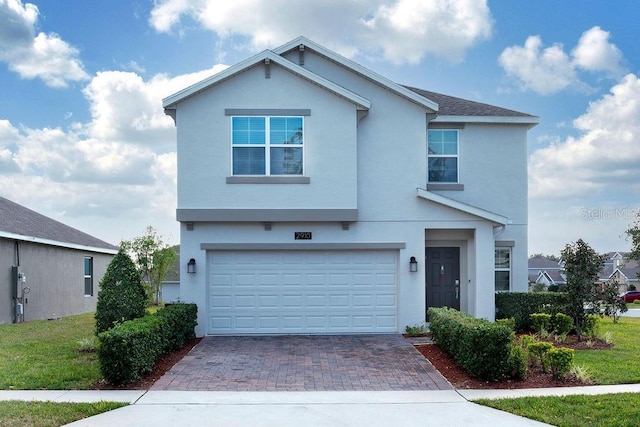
443 155
503 269
88 276
268 146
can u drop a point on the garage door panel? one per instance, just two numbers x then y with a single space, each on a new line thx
261 292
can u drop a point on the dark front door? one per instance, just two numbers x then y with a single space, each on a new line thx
443 277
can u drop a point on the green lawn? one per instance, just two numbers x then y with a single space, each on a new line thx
619 365
610 410
49 414
42 354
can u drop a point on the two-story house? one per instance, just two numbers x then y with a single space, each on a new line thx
318 197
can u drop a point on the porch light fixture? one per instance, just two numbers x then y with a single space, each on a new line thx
191 266
413 264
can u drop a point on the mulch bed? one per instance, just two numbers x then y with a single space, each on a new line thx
536 378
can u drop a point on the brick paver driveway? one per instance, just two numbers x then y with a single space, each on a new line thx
303 363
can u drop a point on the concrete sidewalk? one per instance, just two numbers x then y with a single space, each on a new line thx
323 408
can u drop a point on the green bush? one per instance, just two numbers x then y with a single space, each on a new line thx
541 322
480 347
562 324
560 361
121 296
520 305
509 323
591 325
518 358
130 349
538 352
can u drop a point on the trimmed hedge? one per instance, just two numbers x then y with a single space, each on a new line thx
521 305
482 348
130 349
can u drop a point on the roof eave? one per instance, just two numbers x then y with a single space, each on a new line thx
463 207
32 239
531 121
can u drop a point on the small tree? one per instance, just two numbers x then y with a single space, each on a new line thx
633 233
121 296
153 259
612 304
581 266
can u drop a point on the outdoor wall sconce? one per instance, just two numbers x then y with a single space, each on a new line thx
191 266
413 264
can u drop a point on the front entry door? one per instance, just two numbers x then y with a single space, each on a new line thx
443 277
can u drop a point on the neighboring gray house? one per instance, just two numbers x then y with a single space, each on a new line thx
317 197
47 269
545 271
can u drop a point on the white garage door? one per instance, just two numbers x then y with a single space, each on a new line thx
302 292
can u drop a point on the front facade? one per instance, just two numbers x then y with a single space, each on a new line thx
48 270
317 197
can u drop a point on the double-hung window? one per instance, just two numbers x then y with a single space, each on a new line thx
502 269
88 276
267 145
443 155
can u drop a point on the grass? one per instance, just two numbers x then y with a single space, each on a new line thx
619 365
611 410
49 414
42 354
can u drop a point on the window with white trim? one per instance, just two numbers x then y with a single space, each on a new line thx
442 155
502 267
88 276
267 145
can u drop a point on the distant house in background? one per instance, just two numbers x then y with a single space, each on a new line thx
618 266
47 269
171 282
545 271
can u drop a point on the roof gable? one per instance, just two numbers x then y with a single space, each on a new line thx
20 223
265 57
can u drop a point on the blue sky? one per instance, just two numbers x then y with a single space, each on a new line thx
83 138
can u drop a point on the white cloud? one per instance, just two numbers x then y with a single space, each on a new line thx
550 70
44 56
120 164
595 53
604 156
397 30
544 71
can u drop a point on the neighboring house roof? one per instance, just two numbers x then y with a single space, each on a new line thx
538 262
20 223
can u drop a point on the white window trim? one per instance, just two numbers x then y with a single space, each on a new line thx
508 269
455 156
267 145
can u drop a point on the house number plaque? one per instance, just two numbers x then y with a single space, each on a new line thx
302 235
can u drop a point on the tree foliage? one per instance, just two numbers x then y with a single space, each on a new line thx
633 233
581 266
121 296
153 260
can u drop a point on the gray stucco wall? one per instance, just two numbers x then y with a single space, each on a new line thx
55 277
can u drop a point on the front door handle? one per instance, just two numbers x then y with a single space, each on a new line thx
457 292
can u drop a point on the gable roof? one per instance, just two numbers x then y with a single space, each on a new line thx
463 207
20 223
540 262
267 56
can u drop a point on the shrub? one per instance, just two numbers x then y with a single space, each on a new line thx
130 349
591 325
518 358
509 323
562 324
416 330
520 305
541 322
121 296
538 352
560 361
480 347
